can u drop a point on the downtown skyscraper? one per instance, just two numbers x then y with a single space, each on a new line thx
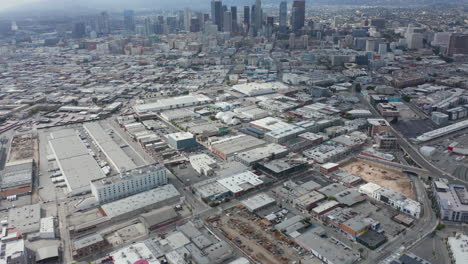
298 15
129 20
217 13
283 16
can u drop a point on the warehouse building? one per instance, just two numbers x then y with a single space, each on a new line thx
128 183
203 164
16 178
78 167
228 147
159 218
172 103
253 156
138 203
258 202
26 218
282 167
271 124
327 152
113 152
326 250
241 183
283 134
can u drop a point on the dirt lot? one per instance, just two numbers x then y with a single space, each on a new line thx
393 179
255 239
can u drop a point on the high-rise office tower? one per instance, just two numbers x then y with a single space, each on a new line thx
247 16
217 14
195 24
149 29
187 17
234 18
102 26
227 23
283 16
298 15
79 30
458 44
258 15
129 20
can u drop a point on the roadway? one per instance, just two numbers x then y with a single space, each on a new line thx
428 221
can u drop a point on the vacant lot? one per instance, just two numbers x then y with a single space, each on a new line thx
392 178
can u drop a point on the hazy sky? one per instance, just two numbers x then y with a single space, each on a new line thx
11 3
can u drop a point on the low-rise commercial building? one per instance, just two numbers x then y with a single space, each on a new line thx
282 167
228 147
253 156
181 140
203 164
16 178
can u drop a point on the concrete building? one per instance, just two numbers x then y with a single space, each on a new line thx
452 201
392 198
283 134
172 103
26 218
282 167
241 183
330 152
47 228
181 140
88 245
253 156
258 202
119 160
16 178
324 249
15 251
203 164
229 147
128 183
457 246
78 167
141 202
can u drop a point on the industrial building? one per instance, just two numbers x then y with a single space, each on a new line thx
159 218
128 183
47 227
329 152
172 103
282 167
203 164
26 218
78 167
283 134
324 249
253 156
258 202
241 183
452 201
181 140
114 153
228 147
442 131
256 88
136 204
88 245
16 178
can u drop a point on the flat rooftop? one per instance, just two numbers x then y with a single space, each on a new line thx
114 153
77 165
139 201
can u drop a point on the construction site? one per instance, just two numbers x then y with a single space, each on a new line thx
23 147
382 175
256 237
